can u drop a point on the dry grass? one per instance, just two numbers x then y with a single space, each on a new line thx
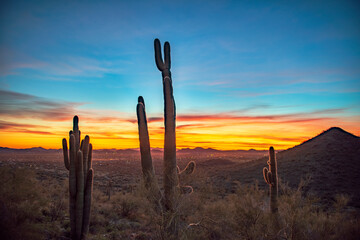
38 209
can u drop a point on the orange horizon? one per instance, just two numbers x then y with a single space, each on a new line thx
220 132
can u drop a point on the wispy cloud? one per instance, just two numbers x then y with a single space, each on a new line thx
19 105
63 68
26 106
6 126
241 117
209 76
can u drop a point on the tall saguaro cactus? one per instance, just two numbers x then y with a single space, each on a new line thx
80 180
271 178
171 173
170 170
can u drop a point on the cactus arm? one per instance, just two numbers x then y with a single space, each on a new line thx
76 132
79 193
265 171
87 202
85 151
189 169
158 56
167 58
66 155
90 157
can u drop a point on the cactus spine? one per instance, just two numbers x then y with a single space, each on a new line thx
80 180
171 172
271 178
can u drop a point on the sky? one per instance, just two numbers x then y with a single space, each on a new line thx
246 74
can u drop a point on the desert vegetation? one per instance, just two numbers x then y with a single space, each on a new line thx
33 208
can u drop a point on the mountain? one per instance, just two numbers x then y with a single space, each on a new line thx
198 150
28 150
331 159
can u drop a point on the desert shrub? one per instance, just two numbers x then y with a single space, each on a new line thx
20 204
246 215
250 215
303 217
235 216
57 200
126 206
122 217
31 209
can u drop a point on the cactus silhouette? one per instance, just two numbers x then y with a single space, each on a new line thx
271 178
81 175
171 172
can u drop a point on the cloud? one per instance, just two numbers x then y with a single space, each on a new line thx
6 126
63 68
19 105
25 106
155 119
224 117
330 111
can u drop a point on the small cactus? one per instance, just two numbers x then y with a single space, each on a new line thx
271 178
171 170
80 180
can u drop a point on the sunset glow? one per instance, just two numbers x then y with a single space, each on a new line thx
245 75
221 131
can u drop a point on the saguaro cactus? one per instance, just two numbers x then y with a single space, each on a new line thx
80 180
171 172
146 161
271 178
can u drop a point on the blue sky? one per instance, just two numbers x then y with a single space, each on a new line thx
238 57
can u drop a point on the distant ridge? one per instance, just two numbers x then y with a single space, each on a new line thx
129 150
27 150
43 150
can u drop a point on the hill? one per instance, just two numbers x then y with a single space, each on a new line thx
331 159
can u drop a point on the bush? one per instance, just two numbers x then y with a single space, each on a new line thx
20 204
